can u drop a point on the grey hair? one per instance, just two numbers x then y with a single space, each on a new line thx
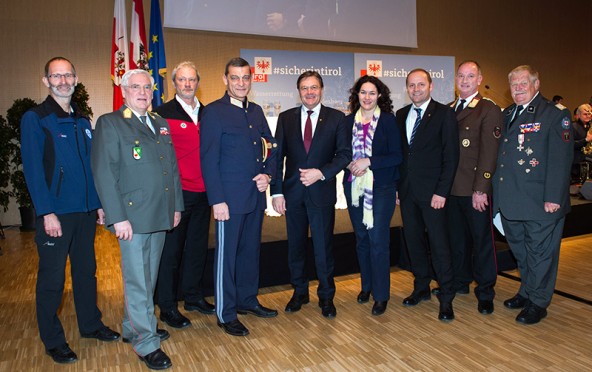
186 64
130 73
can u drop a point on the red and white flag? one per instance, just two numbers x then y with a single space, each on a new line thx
119 55
138 51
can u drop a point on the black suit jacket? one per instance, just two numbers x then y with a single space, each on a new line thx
429 164
329 152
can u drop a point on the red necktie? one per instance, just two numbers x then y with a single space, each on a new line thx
308 132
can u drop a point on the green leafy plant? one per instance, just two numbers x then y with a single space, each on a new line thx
80 97
6 151
15 163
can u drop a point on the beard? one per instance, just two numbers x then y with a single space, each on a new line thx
62 90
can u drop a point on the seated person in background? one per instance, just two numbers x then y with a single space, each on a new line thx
582 140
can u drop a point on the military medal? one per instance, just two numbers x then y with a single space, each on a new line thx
528 151
520 142
137 151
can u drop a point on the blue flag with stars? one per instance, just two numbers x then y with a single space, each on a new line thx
157 59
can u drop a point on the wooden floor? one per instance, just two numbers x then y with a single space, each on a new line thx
403 339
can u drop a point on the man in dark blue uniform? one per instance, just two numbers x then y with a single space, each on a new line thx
238 162
531 189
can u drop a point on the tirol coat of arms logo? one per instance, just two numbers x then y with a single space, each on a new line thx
374 68
263 65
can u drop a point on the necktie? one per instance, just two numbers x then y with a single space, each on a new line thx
145 122
518 111
460 106
417 121
308 132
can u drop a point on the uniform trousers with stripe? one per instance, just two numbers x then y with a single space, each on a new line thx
236 264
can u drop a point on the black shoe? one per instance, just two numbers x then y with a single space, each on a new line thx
446 313
202 306
260 311
157 360
516 302
485 307
463 290
417 297
62 354
328 308
531 314
102 334
363 297
234 328
175 319
379 307
162 333
296 303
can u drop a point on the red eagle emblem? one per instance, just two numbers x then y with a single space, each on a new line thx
374 68
263 65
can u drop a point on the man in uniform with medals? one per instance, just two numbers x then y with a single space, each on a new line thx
531 189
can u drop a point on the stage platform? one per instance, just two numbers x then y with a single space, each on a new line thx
274 247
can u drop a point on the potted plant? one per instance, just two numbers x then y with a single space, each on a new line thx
6 151
17 177
80 98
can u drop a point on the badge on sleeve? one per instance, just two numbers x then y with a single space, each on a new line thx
497 132
565 123
566 136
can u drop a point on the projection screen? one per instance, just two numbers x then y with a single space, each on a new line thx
375 22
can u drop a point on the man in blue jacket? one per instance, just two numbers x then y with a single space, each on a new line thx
55 146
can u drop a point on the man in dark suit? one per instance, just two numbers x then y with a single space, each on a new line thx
238 162
468 210
430 157
185 248
314 141
137 179
531 189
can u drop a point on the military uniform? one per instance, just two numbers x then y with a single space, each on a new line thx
471 235
533 166
137 179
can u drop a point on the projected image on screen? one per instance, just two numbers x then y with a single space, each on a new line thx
376 22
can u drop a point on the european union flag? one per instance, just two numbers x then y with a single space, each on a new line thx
157 59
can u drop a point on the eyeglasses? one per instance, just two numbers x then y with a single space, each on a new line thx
136 88
235 79
68 76
312 88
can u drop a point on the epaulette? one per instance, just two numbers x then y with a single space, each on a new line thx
560 106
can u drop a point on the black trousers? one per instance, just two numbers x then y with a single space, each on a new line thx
183 259
321 220
426 235
77 242
472 246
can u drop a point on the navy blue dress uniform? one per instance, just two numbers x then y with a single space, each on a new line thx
471 231
232 153
137 179
533 168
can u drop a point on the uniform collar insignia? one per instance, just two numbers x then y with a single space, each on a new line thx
473 103
127 113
